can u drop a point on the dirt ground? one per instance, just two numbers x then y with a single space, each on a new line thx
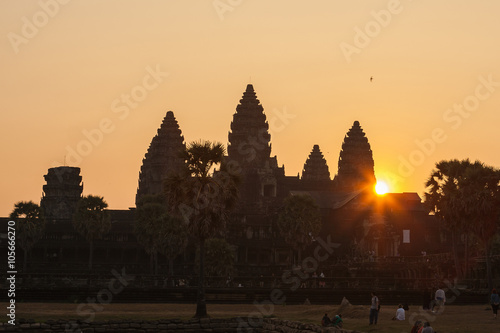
463 319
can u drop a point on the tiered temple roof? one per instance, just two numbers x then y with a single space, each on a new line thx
161 158
249 139
356 166
315 168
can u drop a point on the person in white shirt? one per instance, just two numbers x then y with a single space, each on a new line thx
439 300
400 313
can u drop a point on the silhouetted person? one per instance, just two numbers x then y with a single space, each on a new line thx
374 309
326 320
427 299
495 302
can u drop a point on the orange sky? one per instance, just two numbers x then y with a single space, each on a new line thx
72 67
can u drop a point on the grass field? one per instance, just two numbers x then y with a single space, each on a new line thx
466 319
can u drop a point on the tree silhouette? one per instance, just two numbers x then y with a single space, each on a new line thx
219 258
91 220
299 221
158 231
465 196
441 198
203 200
30 226
480 199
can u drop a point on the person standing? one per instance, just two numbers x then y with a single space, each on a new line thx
495 301
374 309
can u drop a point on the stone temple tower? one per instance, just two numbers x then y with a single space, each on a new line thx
161 158
249 151
249 139
315 168
356 166
61 193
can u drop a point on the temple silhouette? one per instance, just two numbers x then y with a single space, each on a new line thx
362 225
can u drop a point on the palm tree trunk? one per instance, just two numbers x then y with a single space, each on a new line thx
458 267
201 305
91 253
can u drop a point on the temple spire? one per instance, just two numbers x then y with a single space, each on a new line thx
249 139
356 166
315 168
161 158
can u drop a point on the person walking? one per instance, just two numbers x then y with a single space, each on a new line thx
374 307
495 301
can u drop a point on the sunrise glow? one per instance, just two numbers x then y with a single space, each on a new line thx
381 188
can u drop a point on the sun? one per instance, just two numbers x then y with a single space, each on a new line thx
381 188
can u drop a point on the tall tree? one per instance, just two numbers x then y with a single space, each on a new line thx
441 198
480 199
30 226
202 199
92 220
466 196
158 231
299 221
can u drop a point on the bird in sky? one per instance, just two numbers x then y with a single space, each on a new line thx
371 78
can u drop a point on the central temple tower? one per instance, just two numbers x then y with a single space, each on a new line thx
249 151
249 139
356 167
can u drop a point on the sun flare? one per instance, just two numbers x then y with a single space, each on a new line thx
381 188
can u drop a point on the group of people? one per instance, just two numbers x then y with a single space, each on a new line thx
419 326
336 321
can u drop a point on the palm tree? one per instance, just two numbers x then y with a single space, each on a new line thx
442 197
203 200
299 221
466 196
158 231
30 226
480 193
91 220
